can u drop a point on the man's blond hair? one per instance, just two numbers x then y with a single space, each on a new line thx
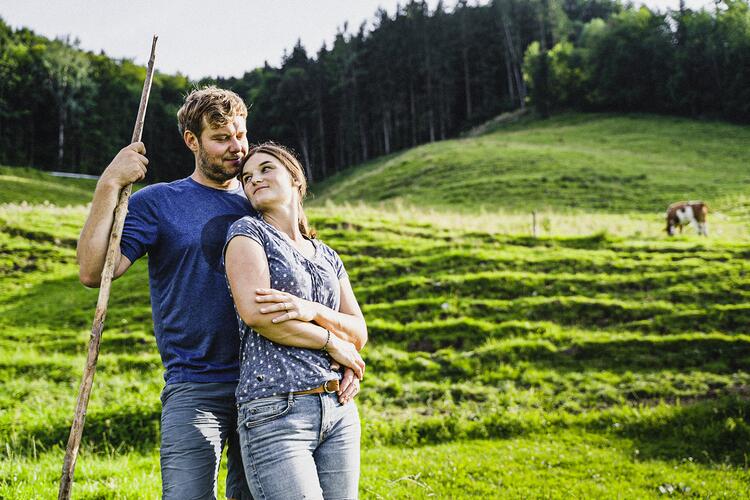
217 106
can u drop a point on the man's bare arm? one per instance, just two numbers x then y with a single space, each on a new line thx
127 167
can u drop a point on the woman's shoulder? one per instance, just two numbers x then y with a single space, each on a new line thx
330 255
323 249
247 225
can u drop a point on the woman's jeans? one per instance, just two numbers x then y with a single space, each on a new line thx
300 447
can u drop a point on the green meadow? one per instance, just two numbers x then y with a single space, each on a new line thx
601 163
597 359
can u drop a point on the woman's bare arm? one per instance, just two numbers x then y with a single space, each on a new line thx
243 254
347 323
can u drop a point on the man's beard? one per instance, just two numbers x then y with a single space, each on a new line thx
213 171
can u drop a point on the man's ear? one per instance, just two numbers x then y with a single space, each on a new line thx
191 141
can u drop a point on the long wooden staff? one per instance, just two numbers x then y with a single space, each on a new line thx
76 430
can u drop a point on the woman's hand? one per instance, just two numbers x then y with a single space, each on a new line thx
346 354
291 306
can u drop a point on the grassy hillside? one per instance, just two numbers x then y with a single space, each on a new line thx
28 185
593 162
585 364
595 366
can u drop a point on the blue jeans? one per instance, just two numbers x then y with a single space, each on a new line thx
300 447
197 419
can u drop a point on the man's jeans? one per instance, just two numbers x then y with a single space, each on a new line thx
196 420
300 447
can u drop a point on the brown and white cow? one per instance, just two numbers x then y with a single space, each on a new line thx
683 213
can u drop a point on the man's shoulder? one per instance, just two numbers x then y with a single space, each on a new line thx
161 189
182 192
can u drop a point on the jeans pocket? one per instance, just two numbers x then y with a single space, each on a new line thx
263 410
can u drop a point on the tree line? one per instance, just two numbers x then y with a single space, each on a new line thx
414 76
693 63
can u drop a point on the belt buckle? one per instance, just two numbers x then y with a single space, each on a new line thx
334 383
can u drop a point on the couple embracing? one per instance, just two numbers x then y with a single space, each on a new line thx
255 319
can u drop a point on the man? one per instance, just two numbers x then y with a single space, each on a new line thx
182 226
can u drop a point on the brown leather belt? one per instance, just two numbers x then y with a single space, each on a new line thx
329 386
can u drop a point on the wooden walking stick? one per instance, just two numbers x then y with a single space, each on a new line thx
76 430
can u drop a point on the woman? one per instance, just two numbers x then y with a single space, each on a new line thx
297 314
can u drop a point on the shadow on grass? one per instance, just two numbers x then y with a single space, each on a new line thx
64 303
709 431
134 427
710 353
113 342
39 236
706 431
718 354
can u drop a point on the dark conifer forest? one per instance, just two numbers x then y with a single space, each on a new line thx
401 79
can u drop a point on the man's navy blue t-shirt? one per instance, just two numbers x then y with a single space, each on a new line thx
182 226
